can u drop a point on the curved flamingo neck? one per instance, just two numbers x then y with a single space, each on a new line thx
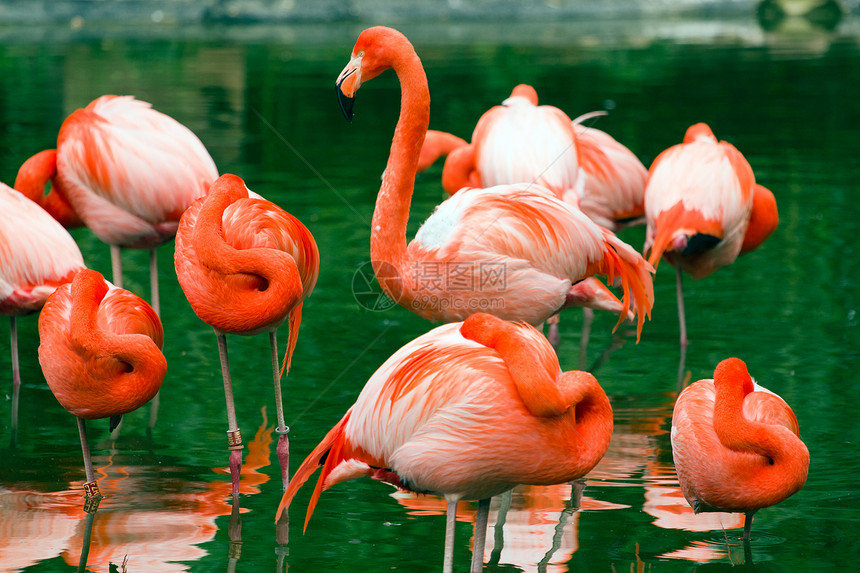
388 227
279 287
788 456
89 289
32 177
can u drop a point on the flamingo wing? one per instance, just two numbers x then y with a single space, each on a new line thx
614 188
127 167
36 254
519 142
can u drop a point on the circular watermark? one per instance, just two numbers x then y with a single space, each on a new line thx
367 291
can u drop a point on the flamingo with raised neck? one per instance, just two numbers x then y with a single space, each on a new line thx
516 251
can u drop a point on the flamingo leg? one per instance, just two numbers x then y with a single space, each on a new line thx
234 437
282 538
587 318
481 519
283 447
156 306
91 487
747 525
681 317
450 522
499 527
87 539
553 334
116 265
16 377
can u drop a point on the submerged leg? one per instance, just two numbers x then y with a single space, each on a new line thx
283 447
448 563
91 487
748 525
587 318
234 437
16 378
116 265
481 519
681 317
156 306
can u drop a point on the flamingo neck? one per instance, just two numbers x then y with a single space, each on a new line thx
593 419
138 353
32 177
388 227
270 276
788 458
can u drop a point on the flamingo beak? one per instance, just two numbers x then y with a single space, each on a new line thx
592 293
348 83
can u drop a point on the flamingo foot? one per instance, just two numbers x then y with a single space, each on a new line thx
283 451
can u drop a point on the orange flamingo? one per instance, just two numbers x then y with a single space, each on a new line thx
703 208
468 411
37 256
736 444
521 142
514 250
246 265
126 171
100 351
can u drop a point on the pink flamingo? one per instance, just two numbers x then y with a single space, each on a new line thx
736 444
100 352
126 171
516 250
37 256
522 142
246 265
704 208
468 411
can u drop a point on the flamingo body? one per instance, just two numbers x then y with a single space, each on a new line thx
244 263
100 348
523 142
467 410
736 444
36 254
537 245
699 203
127 170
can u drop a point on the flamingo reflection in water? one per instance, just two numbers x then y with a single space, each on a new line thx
157 530
534 528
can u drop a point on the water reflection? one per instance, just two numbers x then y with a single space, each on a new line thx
153 530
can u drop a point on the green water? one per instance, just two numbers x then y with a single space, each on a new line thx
262 100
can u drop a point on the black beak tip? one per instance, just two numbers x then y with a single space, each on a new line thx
346 104
114 422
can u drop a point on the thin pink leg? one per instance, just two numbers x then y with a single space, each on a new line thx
234 436
16 378
481 518
283 447
681 316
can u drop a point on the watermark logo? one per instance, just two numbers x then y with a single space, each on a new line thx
366 289
436 286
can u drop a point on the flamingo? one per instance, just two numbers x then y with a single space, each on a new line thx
36 256
516 249
736 444
100 352
246 265
703 208
124 170
468 411
520 141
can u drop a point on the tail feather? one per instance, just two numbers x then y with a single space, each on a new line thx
294 322
329 453
621 261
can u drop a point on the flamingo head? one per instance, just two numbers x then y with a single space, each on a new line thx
733 371
376 50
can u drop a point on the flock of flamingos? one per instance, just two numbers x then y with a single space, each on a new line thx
471 408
